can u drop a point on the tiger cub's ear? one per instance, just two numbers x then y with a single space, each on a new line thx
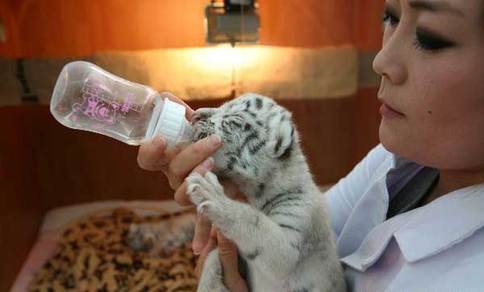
281 136
202 114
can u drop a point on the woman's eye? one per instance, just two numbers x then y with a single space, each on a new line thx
389 18
429 42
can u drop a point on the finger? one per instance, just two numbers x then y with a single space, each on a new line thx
229 258
170 96
155 156
181 196
150 154
212 243
202 234
191 156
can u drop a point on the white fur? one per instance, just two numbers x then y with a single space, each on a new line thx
287 243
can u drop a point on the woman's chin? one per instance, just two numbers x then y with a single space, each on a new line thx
390 139
403 146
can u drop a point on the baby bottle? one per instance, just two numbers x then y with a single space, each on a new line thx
89 98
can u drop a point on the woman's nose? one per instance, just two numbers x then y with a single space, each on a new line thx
390 62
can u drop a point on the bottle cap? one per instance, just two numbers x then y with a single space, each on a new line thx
172 124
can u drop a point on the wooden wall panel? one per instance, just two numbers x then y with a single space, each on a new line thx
10 46
366 122
57 28
368 24
368 37
308 23
78 28
20 198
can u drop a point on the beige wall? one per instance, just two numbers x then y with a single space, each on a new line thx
202 73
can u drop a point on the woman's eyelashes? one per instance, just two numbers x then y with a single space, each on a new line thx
424 40
428 41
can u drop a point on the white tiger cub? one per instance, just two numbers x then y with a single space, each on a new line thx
283 234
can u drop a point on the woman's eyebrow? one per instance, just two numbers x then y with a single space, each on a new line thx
435 6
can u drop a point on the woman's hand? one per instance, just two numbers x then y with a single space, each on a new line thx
177 163
228 256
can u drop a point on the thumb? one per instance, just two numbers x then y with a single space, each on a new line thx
229 258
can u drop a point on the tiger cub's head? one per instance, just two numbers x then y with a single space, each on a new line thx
257 135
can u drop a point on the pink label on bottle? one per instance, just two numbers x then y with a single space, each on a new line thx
99 103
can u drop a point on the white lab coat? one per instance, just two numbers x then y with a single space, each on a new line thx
437 247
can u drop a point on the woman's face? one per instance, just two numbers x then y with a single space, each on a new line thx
432 68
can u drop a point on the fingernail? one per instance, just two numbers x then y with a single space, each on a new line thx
196 249
208 163
159 141
215 140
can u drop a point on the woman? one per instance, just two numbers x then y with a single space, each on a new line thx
409 216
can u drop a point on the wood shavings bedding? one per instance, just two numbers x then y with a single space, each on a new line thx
90 253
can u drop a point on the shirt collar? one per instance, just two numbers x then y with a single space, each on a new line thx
399 162
400 173
442 223
425 231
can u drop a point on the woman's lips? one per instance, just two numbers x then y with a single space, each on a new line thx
389 112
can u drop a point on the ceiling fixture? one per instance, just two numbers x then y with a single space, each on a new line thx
232 21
